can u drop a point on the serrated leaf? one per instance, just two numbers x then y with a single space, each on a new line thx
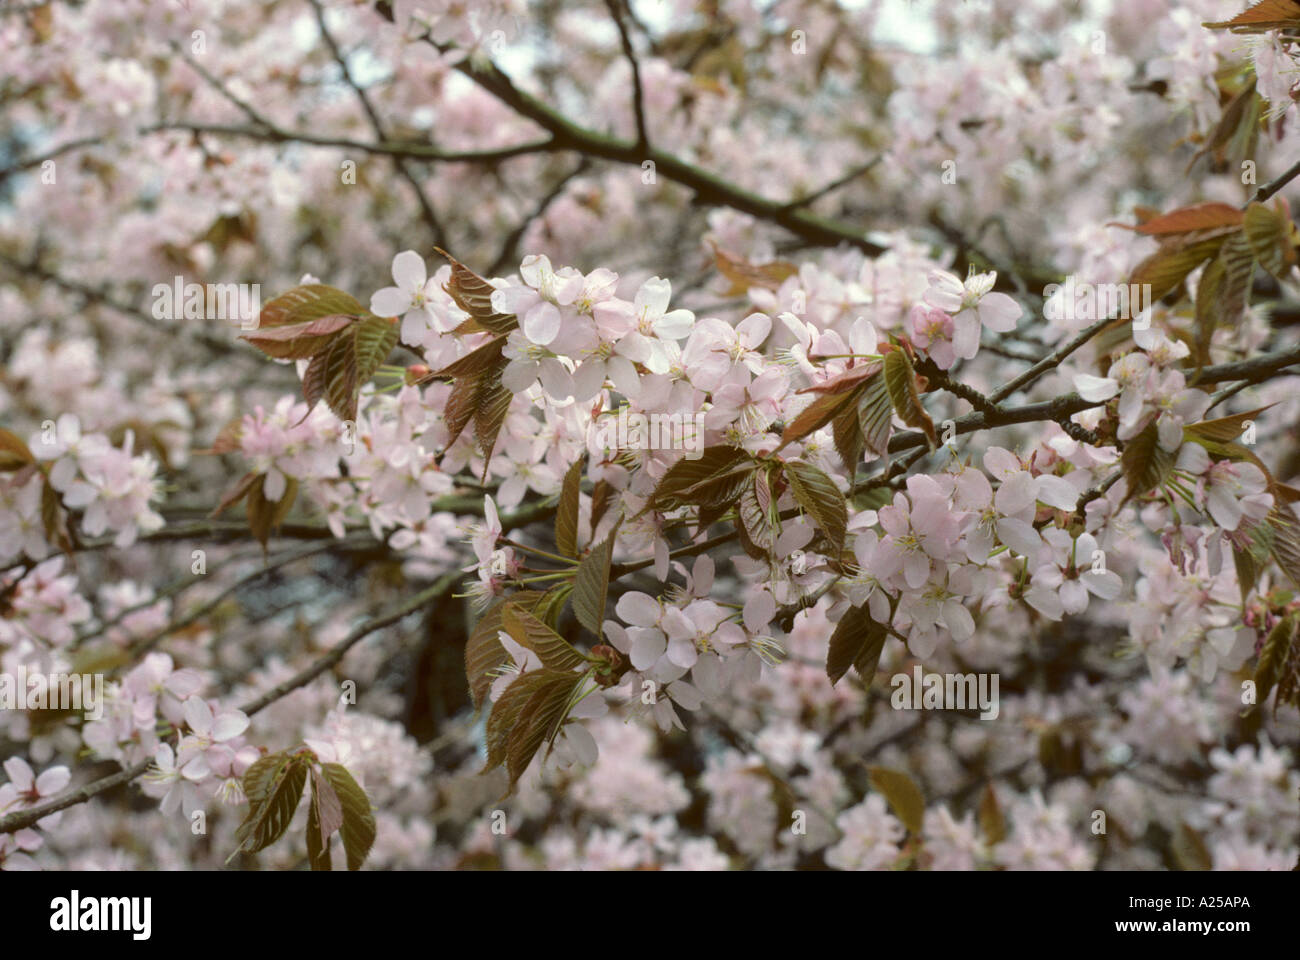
1262 17
530 633
744 275
483 650
551 604
318 844
847 434
903 794
493 406
1201 216
824 408
14 453
473 294
374 339
340 376
461 404
298 341
858 641
1223 429
1145 464
1273 655
821 499
263 515
1269 233
1285 543
308 302
273 794
478 361
566 512
758 520
538 722
237 491
875 416
602 495
324 819
591 586
1166 269
1224 291
530 711
358 829
900 380
713 478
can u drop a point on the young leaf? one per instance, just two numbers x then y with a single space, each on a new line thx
1222 429
14 454
529 712
473 294
566 514
875 416
483 651
274 787
324 819
857 642
1271 237
1177 256
1202 216
1262 17
298 341
824 408
591 585
1145 464
553 650
374 338
494 401
358 829
821 499
903 794
711 479
900 380
265 516
306 303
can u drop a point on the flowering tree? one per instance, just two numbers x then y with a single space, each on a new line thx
853 436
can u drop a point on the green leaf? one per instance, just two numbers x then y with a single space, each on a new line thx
821 499
358 828
566 514
1145 464
274 787
530 633
591 585
903 794
900 380
857 642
